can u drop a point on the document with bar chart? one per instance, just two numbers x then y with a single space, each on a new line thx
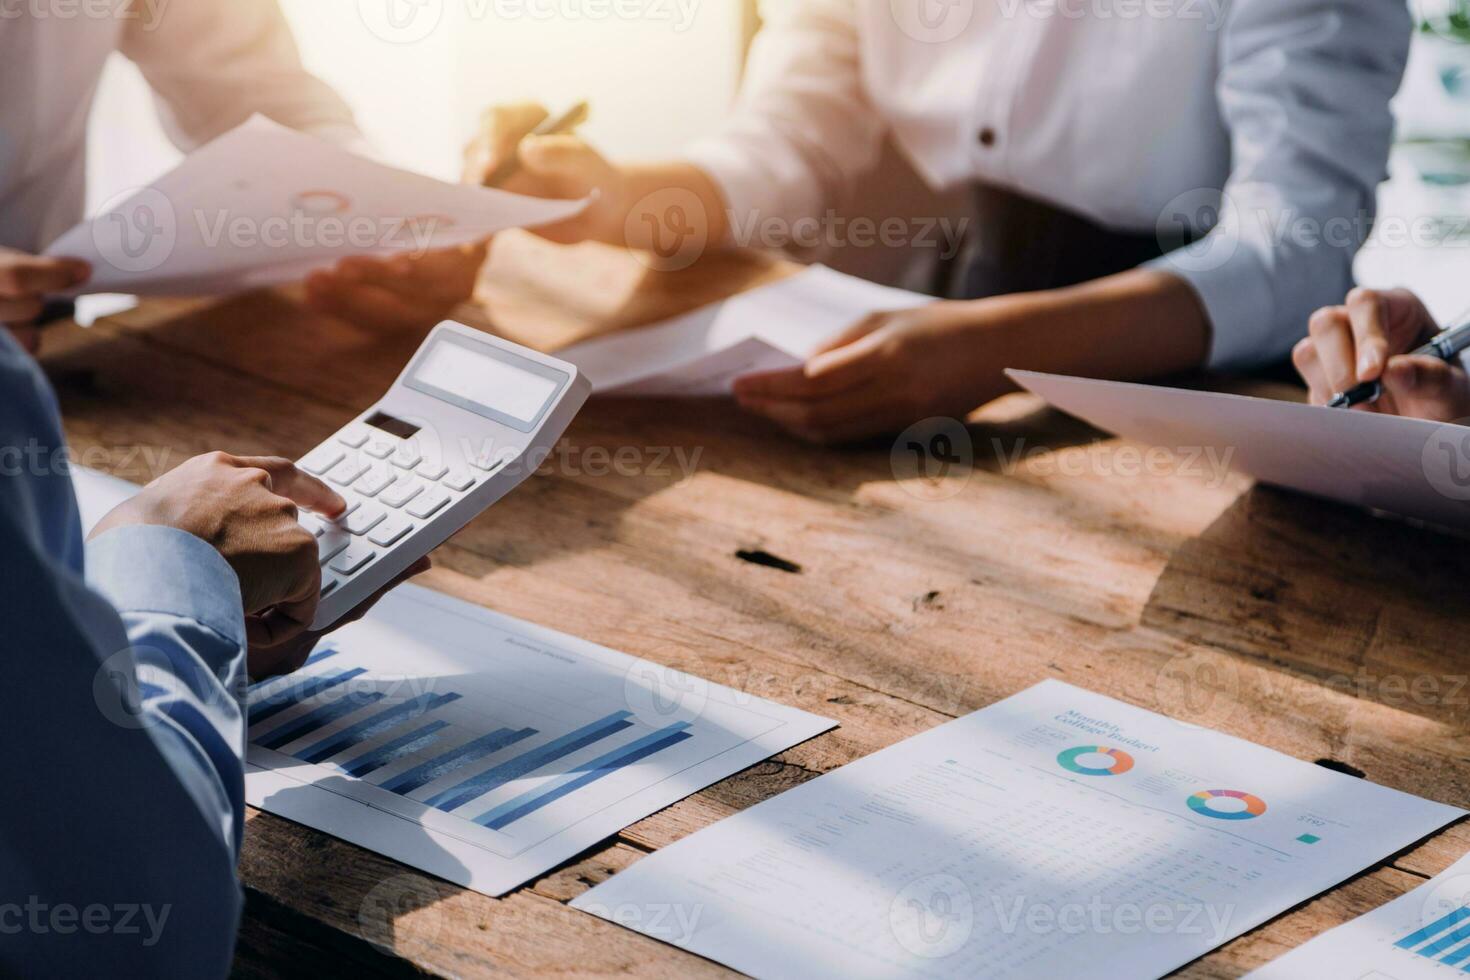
1057 833
1421 935
486 750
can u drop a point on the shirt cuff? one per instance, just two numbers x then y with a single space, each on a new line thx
1236 295
149 568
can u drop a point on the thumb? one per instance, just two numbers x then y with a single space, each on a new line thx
1427 388
566 161
856 332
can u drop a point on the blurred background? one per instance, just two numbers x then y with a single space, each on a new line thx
660 73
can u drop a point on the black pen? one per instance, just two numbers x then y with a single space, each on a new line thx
1445 346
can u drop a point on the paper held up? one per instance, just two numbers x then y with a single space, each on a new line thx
700 354
1404 466
264 205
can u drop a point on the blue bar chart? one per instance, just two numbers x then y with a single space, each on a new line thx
1443 940
486 750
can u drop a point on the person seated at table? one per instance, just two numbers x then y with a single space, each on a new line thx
213 64
1368 338
1093 146
128 657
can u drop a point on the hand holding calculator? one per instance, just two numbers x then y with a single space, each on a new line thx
467 421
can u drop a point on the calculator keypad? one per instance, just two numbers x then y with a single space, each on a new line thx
390 488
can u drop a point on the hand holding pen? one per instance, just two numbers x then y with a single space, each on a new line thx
1382 352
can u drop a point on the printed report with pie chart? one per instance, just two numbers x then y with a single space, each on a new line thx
1056 833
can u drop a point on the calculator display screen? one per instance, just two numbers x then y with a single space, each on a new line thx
487 380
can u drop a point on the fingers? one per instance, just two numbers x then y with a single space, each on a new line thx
1309 366
1368 320
27 276
502 127
296 485
838 368
1428 388
283 622
1331 332
20 311
854 333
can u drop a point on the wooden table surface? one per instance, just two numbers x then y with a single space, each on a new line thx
1310 628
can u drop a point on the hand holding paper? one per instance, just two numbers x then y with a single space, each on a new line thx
264 205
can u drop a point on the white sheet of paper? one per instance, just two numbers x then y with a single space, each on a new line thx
1405 466
263 205
986 848
1421 935
700 354
500 749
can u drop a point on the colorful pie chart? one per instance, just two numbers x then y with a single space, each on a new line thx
1120 762
1202 803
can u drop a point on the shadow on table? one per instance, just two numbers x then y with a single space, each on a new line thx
1374 607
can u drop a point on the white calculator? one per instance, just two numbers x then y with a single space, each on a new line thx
469 418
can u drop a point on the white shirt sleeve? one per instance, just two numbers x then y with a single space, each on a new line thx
803 130
215 63
1304 89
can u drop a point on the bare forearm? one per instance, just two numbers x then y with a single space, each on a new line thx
1138 324
665 202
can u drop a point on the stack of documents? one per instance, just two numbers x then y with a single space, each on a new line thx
701 354
264 205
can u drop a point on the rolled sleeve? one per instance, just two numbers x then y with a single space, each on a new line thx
1304 88
150 569
803 130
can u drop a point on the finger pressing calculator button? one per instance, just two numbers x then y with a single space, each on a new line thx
319 460
390 531
347 471
401 492
380 448
407 456
428 504
332 544
375 480
459 480
364 520
431 470
353 438
351 560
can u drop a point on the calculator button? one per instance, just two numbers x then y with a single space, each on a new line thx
375 480
390 531
407 456
429 504
312 524
489 461
401 492
332 544
347 471
353 438
329 584
380 449
351 560
319 460
459 480
364 520
432 471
